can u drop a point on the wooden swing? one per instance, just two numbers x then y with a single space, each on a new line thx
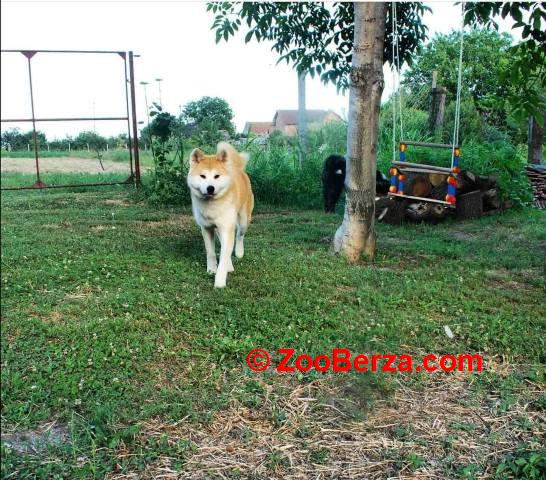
400 168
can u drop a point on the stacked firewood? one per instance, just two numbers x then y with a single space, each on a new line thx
537 177
483 190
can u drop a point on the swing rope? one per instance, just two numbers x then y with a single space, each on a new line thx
397 89
456 126
395 20
393 100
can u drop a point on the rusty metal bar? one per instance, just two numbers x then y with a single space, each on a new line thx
38 183
75 119
65 51
134 117
128 114
128 181
134 177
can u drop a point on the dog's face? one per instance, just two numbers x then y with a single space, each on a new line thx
209 177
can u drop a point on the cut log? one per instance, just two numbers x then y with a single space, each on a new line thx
437 179
382 205
469 205
419 211
438 211
419 186
396 212
491 200
537 178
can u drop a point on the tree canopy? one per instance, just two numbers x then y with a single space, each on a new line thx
15 140
207 110
316 37
486 55
525 74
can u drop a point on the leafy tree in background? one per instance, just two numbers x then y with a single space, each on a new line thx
486 55
525 74
91 139
204 118
20 141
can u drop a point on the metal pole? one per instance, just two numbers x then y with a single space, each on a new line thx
159 80
128 115
134 118
38 184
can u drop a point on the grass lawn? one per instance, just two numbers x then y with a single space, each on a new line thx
115 155
120 360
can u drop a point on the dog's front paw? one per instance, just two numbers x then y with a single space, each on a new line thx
212 268
220 279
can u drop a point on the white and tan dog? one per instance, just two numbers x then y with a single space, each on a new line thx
222 201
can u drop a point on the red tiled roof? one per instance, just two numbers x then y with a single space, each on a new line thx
290 117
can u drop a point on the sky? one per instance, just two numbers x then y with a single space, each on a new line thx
174 43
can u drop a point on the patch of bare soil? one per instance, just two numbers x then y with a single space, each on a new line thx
61 165
429 431
118 202
36 441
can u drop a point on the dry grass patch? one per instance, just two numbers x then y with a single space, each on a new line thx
431 429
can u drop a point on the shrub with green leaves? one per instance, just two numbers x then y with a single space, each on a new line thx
279 180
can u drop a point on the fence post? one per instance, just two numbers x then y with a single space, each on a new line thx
87 147
136 153
69 146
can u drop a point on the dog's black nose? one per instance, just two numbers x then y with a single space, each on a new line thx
210 189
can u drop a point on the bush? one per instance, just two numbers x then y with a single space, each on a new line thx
279 180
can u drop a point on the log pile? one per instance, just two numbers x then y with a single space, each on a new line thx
537 177
476 195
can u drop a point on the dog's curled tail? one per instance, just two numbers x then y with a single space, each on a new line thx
237 159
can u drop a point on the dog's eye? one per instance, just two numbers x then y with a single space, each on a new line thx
216 176
202 176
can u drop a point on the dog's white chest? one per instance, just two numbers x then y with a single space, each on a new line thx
211 213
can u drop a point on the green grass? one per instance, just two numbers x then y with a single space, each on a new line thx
109 317
115 155
9 180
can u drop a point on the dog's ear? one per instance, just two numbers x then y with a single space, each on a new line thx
196 156
222 155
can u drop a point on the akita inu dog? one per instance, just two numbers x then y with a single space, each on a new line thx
222 202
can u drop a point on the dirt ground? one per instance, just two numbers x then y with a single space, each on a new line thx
62 165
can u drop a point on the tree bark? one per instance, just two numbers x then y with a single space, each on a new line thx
302 120
355 237
437 111
535 142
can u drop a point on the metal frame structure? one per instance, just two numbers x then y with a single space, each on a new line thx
134 159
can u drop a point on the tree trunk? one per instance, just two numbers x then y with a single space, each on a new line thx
535 142
356 235
302 120
437 111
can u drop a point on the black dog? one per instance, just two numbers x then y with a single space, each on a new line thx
333 180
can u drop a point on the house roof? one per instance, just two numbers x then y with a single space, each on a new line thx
290 117
259 128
